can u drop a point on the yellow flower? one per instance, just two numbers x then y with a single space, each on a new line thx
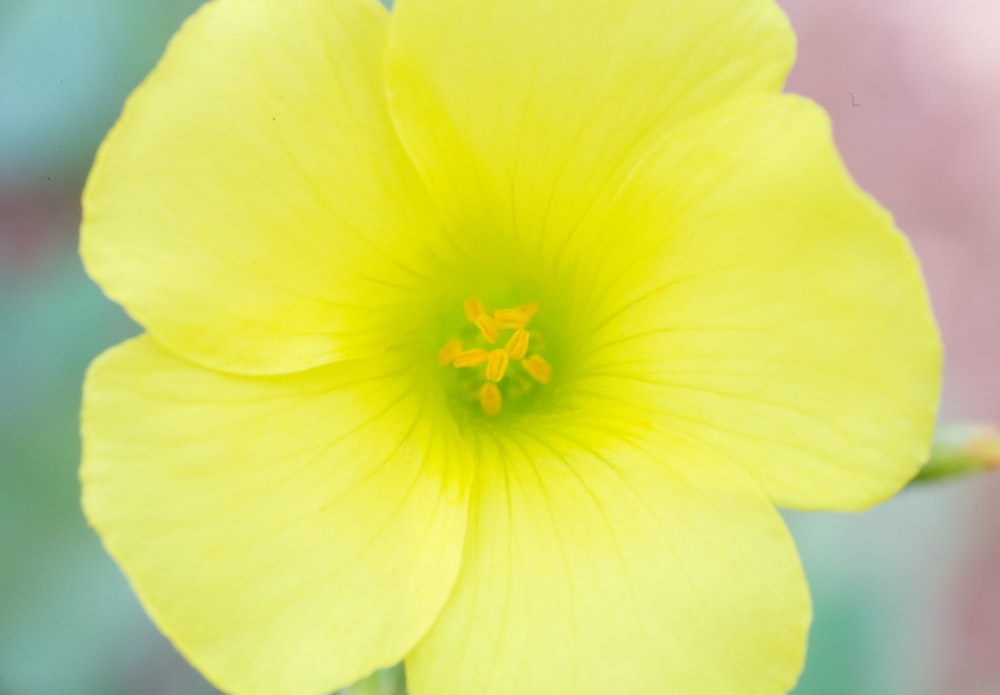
315 207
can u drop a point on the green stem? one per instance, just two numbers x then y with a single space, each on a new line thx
961 450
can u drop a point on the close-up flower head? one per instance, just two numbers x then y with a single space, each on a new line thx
487 335
494 339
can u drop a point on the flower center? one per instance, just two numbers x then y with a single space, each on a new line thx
487 365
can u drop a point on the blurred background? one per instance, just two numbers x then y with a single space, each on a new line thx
907 596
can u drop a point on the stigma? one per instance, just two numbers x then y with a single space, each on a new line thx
486 334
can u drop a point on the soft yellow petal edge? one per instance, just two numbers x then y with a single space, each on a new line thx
603 559
252 208
229 555
773 310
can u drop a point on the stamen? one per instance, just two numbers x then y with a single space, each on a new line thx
517 346
496 366
459 353
490 398
449 352
487 326
473 309
538 368
518 317
470 358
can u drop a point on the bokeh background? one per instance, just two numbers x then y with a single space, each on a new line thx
907 595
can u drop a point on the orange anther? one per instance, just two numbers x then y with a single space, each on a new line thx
470 358
487 326
490 398
517 346
518 317
449 352
473 309
538 368
496 366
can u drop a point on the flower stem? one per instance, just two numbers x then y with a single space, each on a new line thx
961 450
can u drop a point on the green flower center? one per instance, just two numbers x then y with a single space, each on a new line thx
486 366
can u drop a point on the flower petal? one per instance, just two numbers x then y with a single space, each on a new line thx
289 534
763 304
519 113
253 208
641 569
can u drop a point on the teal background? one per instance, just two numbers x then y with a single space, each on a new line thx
906 595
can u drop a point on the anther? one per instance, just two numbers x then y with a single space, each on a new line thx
470 358
497 360
490 398
517 317
473 309
538 368
496 365
517 346
449 352
487 326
